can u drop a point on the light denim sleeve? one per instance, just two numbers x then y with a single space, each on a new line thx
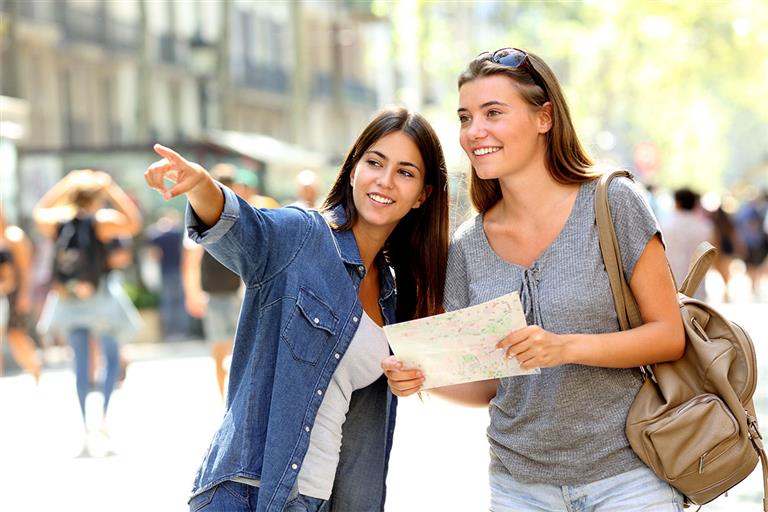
253 242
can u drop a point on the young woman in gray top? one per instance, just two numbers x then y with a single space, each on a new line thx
557 438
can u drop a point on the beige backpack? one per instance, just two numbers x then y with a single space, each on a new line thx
693 421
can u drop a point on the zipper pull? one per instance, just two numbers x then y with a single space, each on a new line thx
701 464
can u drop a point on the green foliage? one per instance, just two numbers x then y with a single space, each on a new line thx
141 296
687 76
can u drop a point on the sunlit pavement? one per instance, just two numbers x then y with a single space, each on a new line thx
166 411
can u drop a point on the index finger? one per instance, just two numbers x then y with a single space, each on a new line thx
169 154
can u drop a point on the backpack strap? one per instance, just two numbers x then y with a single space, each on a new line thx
701 260
757 442
627 310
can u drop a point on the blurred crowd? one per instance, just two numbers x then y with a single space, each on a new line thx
84 278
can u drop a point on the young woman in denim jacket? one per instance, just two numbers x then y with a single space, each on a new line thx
557 438
309 418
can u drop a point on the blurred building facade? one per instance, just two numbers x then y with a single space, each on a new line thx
101 76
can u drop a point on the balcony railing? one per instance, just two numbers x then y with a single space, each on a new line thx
353 91
265 76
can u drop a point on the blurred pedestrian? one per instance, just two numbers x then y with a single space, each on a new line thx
306 190
305 371
749 223
15 243
246 186
119 256
684 229
213 292
75 215
164 239
534 185
728 244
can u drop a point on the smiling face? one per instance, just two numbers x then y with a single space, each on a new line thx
388 182
501 133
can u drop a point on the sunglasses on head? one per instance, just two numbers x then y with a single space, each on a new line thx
514 58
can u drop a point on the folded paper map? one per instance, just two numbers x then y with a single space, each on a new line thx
460 346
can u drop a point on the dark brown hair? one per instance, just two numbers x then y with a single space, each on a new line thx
417 249
566 159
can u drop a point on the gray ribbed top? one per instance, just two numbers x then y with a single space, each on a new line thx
564 426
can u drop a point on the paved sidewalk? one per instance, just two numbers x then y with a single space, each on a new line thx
168 408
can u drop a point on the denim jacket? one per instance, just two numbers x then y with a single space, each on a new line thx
300 311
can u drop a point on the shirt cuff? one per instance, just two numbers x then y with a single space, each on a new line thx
202 234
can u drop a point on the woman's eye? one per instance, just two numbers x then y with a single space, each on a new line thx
406 173
463 119
373 163
493 113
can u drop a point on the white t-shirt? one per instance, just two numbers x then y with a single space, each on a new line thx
360 367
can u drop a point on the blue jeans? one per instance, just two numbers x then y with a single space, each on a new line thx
173 315
78 339
237 497
634 491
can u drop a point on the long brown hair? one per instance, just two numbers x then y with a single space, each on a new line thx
566 159
417 249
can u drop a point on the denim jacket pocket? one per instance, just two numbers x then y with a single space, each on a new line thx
311 324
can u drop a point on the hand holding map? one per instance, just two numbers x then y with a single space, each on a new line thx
460 346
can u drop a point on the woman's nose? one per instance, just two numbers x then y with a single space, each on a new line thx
385 178
476 130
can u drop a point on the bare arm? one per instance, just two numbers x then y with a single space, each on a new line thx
128 222
204 195
194 296
7 279
21 249
404 382
47 213
660 338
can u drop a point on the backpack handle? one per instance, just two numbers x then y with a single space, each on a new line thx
701 260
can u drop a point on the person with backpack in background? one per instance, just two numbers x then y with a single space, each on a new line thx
119 257
74 215
15 242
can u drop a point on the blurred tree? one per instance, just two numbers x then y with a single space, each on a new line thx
688 77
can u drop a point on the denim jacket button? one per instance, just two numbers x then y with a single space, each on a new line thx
294 466
337 355
355 319
306 429
316 320
319 391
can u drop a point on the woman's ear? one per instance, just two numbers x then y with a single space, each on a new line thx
425 193
545 117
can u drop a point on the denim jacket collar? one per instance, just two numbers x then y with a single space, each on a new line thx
350 254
